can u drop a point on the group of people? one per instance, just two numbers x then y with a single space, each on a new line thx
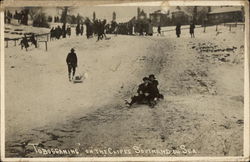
25 41
79 29
142 28
97 27
58 32
21 17
191 29
147 92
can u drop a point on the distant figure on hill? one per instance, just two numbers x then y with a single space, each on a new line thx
159 30
192 26
78 29
178 30
58 32
141 29
24 43
99 30
33 40
81 30
68 31
64 31
89 29
52 33
71 61
150 29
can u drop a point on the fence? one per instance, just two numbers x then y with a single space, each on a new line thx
229 25
39 38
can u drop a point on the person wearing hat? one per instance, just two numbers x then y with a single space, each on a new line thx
71 61
155 90
143 93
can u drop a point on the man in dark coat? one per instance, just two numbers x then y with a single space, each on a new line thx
192 26
81 30
64 31
99 30
78 30
159 30
144 95
58 32
72 63
155 91
178 30
24 43
68 31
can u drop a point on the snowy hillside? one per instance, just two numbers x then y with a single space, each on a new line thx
201 79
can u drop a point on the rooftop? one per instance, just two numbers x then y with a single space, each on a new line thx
225 9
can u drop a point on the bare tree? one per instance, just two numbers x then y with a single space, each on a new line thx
196 12
94 16
33 11
65 12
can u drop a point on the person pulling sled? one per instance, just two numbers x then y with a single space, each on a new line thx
71 61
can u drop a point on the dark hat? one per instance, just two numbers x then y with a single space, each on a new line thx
72 49
151 76
145 78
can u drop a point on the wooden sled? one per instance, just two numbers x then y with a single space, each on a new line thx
78 79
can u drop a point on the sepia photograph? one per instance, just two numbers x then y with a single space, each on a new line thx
124 80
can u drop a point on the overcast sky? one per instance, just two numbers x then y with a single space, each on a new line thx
105 12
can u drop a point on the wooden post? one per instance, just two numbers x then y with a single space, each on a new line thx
204 29
229 27
46 46
216 27
15 42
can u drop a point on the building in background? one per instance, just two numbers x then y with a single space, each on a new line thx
160 17
179 16
141 15
170 17
225 14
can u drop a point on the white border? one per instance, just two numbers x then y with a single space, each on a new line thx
151 159
181 3
2 86
246 87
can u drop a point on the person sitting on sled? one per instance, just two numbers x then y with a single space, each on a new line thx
155 89
144 95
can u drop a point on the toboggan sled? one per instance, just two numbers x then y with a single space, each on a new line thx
79 78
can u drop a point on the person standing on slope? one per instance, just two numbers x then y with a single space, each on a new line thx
72 63
178 30
191 30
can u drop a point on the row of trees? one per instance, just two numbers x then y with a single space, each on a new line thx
183 15
40 19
